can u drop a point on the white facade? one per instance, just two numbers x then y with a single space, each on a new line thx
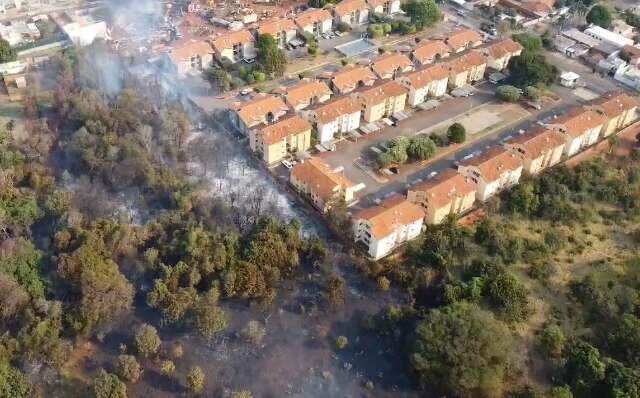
81 28
435 88
318 28
487 189
343 124
378 248
606 36
575 145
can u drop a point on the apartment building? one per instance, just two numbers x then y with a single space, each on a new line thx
620 108
282 139
390 65
315 21
495 170
351 12
320 184
383 228
351 78
282 30
466 69
337 116
262 109
500 52
384 7
539 148
191 56
307 93
382 100
448 193
430 81
581 128
235 46
429 51
461 40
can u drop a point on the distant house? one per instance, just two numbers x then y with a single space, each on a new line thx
279 140
191 56
17 32
235 46
581 128
282 30
463 40
351 78
539 149
390 65
307 93
446 194
340 115
466 69
620 109
499 53
430 51
314 21
351 12
384 7
81 26
430 81
494 171
320 184
603 35
383 228
262 109
382 100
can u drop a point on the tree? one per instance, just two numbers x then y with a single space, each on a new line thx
128 368
584 366
621 382
530 42
599 15
456 133
462 349
218 77
533 93
167 367
530 69
196 380
624 339
552 341
242 394
508 93
423 13
7 53
146 340
560 392
271 58
13 383
107 385
509 296
341 342
421 147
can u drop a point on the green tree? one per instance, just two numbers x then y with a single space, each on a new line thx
272 60
508 93
530 42
146 340
530 69
196 379
624 339
341 342
13 383
533 93
552 340
560 392
509 297
599 15
523 199
128 368
7 53
421 147
423 13
463 350
583 365
621 382
456 133
107 385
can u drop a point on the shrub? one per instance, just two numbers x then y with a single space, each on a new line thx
146 340
384 284
456 133
196 379
343 27
128 368
508 93
341 342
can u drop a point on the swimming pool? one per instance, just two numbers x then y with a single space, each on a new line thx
355 47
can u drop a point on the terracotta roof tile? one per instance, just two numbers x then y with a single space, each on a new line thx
427 51
387 64
500 49
443 188
381 92
424 76
312 15
330 111
462 38
228 40
284 128
257 109
391 214
466 61
579 120
495 162
305 91
348 6
377 3
184 50
321 179
538 141
273 27
349 77
614 103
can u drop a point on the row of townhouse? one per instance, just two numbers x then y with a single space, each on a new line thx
456 191
365 93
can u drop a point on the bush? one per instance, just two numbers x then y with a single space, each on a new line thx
383 283
107 385
508 93
146 340
195 379
552 341
456 133
341 342
533 93
128 368
421 147
375 30
343 27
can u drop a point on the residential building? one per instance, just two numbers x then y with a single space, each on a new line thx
620 109
337 116
430 51
430 81
390 65
262 109
603 35
279 140
495 170
383 228
235 46
351 12
191 56
629 75
446 194
352 77
538 148
581 128
316 21
320 184
632 54
500 52
81 26
620 27
18 32
384 7
282 30
466 69
382 100
307 93
463 40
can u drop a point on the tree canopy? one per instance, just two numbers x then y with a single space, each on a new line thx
7 53
423 13
456 133
271 59
599 15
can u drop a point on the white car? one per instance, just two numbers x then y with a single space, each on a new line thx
433 174
287 164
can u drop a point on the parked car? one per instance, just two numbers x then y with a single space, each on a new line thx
287 164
